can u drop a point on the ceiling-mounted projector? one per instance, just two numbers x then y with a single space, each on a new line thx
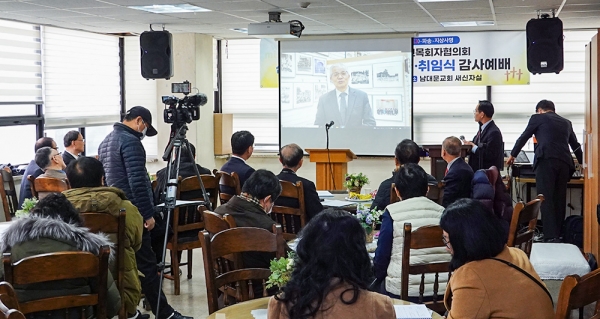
274 28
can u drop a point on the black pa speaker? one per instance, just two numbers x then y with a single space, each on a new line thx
545 45
156 55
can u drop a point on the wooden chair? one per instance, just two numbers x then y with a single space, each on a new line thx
8 193
393 196
211 184
42 186
61 266
424 237
9 304
187 222
577 292
233 242
291 219
114 227
435 193
228 182
215 223
522 214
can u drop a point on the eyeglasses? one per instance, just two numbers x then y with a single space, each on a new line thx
81 140
445 241
475 111
343 73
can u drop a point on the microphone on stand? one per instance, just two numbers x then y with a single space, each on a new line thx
327 126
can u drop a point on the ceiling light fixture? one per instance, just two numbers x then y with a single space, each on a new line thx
170 8
467 24
241 30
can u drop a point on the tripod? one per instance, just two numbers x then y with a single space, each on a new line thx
173 155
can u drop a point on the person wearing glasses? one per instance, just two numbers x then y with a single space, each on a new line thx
74 146
487 145
346 106
489 279
33 169
51 162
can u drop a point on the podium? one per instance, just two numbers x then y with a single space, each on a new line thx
339 159
438 165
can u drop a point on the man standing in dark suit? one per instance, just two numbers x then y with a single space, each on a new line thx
458 173
74 146
290 157
346 106
487 145
242 146
553 164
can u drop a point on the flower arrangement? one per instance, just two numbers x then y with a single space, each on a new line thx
281 271
355 180
368 218
28 205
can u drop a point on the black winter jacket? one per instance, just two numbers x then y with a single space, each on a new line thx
124 159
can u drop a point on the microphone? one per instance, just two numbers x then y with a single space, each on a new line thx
462 138
329 125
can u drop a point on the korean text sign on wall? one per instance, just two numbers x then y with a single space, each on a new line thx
470 58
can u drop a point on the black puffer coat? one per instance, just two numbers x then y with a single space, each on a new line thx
124 159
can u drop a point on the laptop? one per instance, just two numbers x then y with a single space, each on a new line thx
522 158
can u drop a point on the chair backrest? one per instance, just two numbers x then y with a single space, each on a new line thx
230 182
214 223
424 237
435 193
291 219
576 292
521 237
112 226
188 218
192 189
9 304
393 196
42 186
62 266
233 242
8 193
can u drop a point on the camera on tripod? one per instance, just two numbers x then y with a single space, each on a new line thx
185 110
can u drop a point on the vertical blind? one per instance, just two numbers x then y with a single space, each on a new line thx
81 78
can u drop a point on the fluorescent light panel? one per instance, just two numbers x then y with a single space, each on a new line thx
170 8
467 24
241 30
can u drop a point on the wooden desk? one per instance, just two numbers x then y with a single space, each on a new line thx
242 310
530 182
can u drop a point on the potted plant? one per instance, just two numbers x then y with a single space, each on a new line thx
368 218
281 271
28 205
354 182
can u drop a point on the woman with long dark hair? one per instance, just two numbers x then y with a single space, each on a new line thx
331 273
490 280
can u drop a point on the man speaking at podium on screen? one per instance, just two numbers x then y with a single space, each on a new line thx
346 106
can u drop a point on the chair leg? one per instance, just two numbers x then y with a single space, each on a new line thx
189 263
175 270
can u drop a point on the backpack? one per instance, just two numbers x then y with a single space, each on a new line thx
573 230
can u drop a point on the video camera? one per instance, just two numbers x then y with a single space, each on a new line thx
185 110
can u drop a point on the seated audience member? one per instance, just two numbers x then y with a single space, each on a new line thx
483 284
290 157
52 226
252 208
331 273
74 146
406 151
415 208
86 176
242 146
50 161
33 169
458 173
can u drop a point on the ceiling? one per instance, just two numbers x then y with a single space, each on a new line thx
321 17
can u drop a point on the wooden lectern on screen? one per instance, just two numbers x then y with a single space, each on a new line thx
339 159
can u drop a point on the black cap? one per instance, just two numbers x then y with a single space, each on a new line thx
146 116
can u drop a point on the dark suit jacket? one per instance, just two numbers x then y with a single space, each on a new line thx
25 190
67 157
554 134
358 112
490 149
457 182
237 165
311 198
382 198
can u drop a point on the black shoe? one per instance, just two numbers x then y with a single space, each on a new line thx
177 315
538 238
138 315
144 316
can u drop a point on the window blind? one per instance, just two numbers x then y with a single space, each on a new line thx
81 78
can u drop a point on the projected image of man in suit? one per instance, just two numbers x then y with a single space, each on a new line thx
346 106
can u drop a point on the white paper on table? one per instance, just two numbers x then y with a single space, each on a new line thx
324 194
259 313
184 203
336 203
412 312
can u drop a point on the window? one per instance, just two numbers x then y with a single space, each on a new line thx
58 135
20 141
94 135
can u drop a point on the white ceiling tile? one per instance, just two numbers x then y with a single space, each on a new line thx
69 4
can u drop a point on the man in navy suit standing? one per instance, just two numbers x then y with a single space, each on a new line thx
242 146
488 147
291 157
346 106
553 163
458 173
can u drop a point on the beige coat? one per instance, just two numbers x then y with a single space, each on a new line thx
370 305
491 289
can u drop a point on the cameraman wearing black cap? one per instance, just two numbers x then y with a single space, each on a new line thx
124 159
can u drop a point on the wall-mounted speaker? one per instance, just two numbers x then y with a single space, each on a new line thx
545 45
156 55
